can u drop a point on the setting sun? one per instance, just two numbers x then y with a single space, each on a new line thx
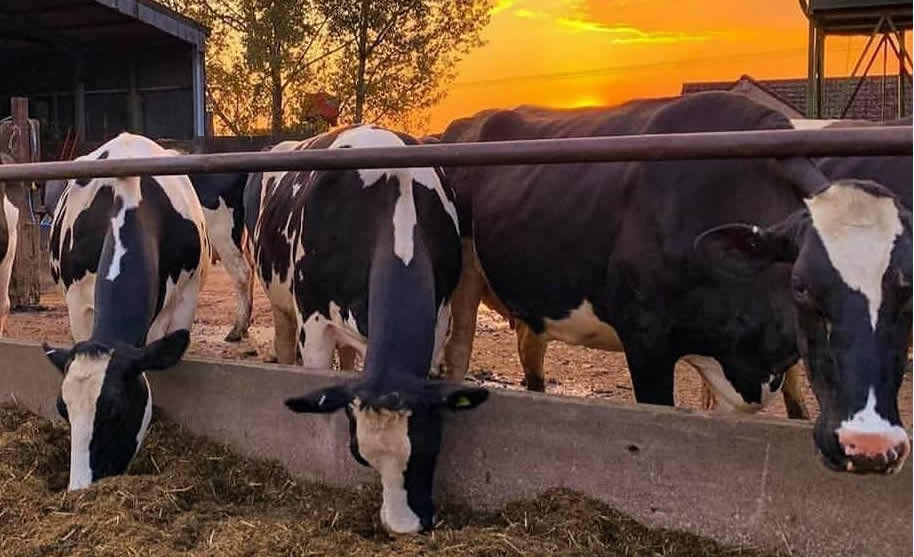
582 101
569 53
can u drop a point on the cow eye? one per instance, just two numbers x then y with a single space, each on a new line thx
801 291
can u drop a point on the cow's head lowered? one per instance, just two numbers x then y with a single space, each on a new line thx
850 251
398 433
107 401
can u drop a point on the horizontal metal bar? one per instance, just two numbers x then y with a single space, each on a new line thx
890 140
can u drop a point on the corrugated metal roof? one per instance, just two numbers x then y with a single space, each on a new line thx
92 23
837 90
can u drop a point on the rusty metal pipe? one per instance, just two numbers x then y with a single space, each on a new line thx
882 140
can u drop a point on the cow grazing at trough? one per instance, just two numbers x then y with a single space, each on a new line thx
9 232
367 259
131 255
739 267
222 199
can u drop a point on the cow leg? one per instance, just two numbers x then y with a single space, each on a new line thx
219 225
708 400
442 333
240 272
11 214
464 308
80 309
316 341
5 272
792 392
651 373
284 336
532 351
348 356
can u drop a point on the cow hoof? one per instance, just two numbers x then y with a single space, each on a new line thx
534 384
233 336
271 360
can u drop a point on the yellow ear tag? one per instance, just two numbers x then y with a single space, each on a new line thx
463 402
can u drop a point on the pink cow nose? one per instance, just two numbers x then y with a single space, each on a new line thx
882 452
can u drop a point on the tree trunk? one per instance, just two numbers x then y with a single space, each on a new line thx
363 55
276 83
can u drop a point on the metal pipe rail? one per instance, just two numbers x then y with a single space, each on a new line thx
871 141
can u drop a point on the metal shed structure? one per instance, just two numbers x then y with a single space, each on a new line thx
883 21
94 68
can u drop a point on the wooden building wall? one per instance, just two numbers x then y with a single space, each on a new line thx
105 93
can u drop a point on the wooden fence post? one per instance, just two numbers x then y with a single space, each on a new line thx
25 287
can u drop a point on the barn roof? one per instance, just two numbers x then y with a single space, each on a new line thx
84 24
792 92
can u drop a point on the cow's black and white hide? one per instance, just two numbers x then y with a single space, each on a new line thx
326 307
9 233
367 259
895 173
131 256
604 255
222 198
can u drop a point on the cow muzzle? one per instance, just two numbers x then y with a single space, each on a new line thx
882 452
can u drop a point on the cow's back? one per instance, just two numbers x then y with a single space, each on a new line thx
88 212
317 235
323 225
894 173
572 222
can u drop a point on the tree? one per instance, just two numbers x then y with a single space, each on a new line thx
397 56
277 37
387 60
260 52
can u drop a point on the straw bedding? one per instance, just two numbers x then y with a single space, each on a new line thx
188 496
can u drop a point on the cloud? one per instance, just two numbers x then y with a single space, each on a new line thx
501 5
527 14
626 34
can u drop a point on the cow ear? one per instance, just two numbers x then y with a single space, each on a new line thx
463 398
58 357
742 250
163 353
321 401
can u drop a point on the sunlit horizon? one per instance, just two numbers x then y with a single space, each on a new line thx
571 53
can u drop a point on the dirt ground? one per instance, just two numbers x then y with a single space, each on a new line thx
570 370
188 496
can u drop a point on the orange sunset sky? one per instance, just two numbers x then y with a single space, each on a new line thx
583 52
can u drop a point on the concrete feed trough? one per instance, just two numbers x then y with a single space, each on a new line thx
738 480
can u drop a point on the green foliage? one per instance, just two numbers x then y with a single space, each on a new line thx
406 57
387 61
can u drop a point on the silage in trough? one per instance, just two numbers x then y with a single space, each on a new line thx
188 496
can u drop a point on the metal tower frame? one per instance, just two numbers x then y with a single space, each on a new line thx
884 22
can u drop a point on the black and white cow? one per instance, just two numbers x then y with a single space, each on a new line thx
740 267
131 256
894 172
367 259
9 232
222 198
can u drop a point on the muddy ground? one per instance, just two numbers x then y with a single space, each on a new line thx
570 370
